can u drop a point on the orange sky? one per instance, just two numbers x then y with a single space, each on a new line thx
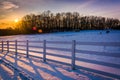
9 22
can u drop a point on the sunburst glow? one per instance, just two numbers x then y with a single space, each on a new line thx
16 20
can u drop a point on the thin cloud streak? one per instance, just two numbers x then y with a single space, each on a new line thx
9 5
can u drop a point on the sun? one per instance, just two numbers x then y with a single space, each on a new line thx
16 20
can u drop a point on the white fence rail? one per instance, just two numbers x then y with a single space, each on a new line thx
78 56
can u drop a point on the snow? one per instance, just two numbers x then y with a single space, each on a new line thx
55 71
43 71
86 36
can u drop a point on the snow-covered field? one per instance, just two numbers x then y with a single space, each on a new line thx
82 36
88 36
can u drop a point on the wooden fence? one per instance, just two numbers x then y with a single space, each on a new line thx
98 57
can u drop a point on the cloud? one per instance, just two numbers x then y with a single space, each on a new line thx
6 8
6 5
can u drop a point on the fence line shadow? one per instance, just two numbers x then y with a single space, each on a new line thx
39 70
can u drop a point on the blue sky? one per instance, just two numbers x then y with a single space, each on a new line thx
12 9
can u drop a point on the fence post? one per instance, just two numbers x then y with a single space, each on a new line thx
2 46
16 47
8 46
73 54
44 50
27 48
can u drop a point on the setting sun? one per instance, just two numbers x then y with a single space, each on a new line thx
16 20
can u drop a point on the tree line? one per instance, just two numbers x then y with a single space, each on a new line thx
47 22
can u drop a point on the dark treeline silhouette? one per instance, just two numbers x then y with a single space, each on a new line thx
8 31
47 22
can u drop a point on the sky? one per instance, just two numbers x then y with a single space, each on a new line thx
13 9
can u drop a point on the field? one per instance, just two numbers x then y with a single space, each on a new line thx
82 36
